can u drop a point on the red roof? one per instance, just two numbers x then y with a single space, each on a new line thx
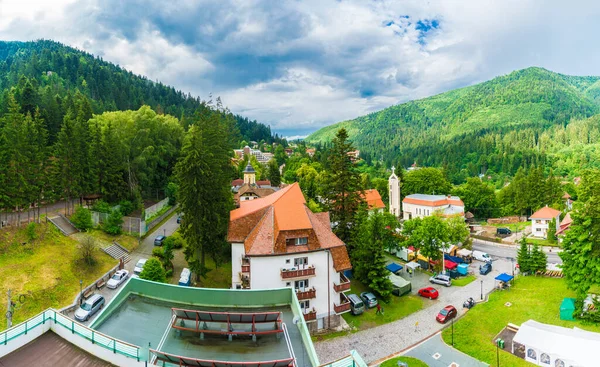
545 213
373 199
237 182
434 201
566 196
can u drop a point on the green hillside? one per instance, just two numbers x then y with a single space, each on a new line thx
496 126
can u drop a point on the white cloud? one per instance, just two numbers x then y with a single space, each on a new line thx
301 65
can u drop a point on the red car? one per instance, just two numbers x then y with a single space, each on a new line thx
429 292
447 313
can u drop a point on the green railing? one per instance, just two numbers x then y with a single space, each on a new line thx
97 338
353 360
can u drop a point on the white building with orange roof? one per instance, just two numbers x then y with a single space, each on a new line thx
421 205
541 219
277 241
373 199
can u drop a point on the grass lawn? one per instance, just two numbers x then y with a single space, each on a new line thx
217 277
105 239
542 242
395 309
514 227
531 297
462 281
410 361
45 270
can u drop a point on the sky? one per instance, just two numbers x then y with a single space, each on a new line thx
301 65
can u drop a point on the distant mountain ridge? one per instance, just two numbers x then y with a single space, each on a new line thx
496 125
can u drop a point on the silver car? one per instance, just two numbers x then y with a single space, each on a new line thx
441 279
139 267
89 307
118 278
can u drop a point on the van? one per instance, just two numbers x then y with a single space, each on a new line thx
503 231
482 256
357 306
89 307
158 241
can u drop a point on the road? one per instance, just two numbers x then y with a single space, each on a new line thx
144 250
509 251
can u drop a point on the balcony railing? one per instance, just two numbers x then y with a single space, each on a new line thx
344 284
306 294
344 305
297 273
310 315
245 265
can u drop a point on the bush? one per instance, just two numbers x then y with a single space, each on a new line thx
169 273
87 250
82 219
154 271
31 235
175 240
101 206
158 252
113 223
126 207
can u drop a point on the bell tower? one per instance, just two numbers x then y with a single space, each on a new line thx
394 195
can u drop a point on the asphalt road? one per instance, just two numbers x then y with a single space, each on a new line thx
509 251
144 250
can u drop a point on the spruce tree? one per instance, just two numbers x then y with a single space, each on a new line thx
523 257
538 259
273 173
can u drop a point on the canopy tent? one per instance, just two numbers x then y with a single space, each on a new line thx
567 308
394 268
504 277
455 259
401 285
464 252
557 346
450 264
413 265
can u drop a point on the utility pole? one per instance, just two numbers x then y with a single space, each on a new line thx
9 312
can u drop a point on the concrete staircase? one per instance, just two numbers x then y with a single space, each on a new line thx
117 251
63 224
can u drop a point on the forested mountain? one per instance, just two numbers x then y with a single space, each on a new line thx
48 74
531 117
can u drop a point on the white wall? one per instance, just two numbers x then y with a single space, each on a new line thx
539 227
237 253
421 211
265 273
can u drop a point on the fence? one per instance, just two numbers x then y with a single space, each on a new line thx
132 225
75 303
150 225
151 210
74 332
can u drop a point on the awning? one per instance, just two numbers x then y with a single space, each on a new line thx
464 252
394 268
413 265
504 277
450 264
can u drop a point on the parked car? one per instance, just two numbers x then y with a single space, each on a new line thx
158 241
357 306
441 279
369 299
503 231
482 256
485 268
470 303
179 220
139 267
89 307
429 292
117 279
447 313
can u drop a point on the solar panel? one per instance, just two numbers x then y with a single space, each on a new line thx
194 362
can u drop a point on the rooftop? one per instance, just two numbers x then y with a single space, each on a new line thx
545 213
373 199
433 200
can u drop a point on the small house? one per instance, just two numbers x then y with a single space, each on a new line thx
541 219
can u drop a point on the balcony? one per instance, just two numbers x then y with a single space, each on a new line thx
245 265
344 305
297 273
343 286
310 315
306 294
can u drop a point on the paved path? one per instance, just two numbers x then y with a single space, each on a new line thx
435 353
507 251
382 341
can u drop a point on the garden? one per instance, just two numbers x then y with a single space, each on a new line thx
531 297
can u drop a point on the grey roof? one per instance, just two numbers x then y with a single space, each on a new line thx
431 197
249 168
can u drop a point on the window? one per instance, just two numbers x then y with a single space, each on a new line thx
305 305
302 241
288 284
287 261
531 354
300 261
538 229
301 284
544 358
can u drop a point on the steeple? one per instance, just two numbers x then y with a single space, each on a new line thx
394 195
249 175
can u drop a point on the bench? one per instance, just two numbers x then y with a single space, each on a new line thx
88 293
101 283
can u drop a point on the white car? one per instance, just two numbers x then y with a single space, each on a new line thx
139 267
118 278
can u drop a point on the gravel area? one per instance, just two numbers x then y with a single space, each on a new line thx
382 341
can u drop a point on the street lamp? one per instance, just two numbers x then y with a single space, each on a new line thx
165 232
497 354
482 290
512 265
452 331
80 291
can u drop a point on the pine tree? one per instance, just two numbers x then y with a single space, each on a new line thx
524 257
341 186
273 173
538 259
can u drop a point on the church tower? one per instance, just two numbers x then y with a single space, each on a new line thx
394 185
249 175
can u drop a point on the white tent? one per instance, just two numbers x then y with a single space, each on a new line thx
464 252
549 345
413 265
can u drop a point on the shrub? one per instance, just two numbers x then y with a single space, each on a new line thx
101 206
87 250
158 252
171 192
169 273
31 235
126 207
175 240
113 223
82 218
154 271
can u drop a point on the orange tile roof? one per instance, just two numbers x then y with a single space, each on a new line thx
545 213
373 199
